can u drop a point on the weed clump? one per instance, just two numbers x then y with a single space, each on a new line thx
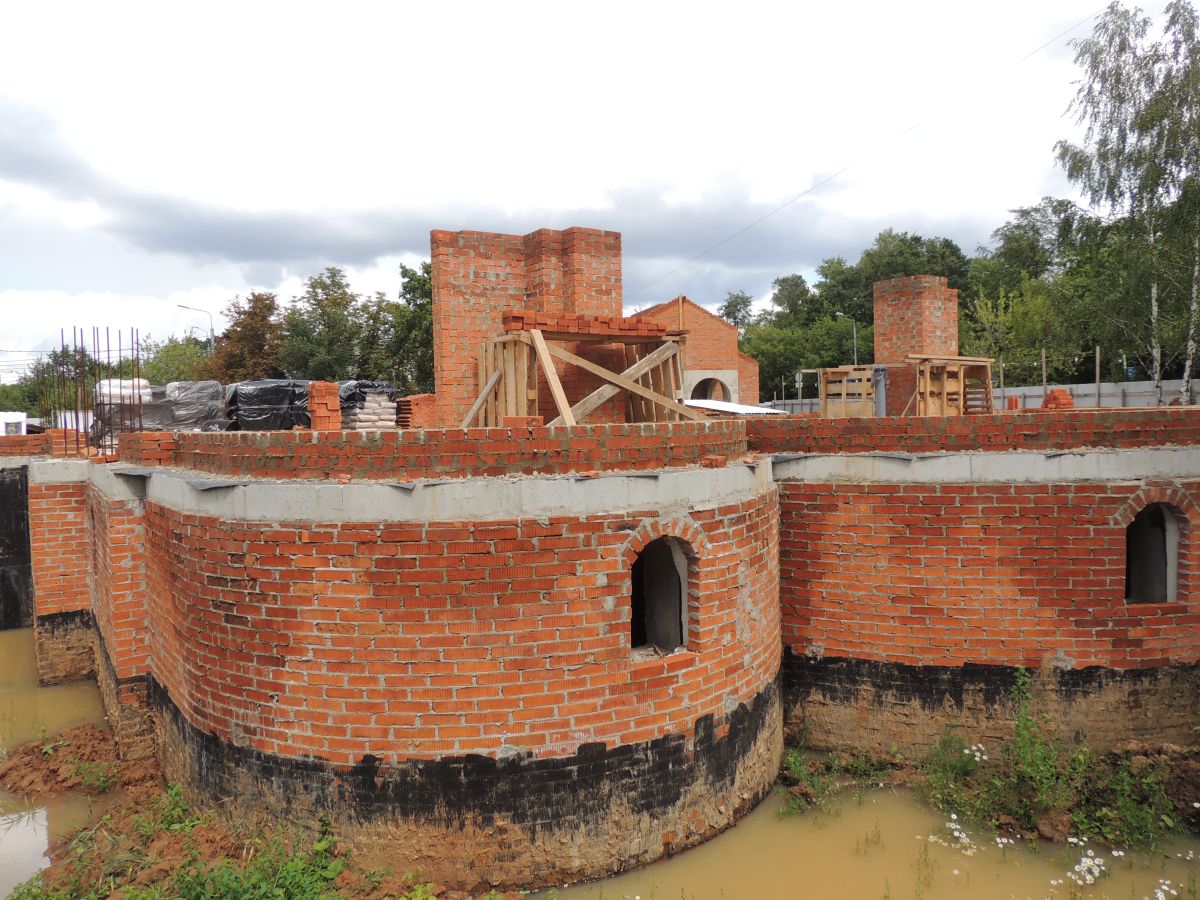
809 778
1036 785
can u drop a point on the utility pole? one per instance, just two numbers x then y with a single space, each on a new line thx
853 332
212 335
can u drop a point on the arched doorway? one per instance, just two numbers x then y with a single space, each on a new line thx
711 389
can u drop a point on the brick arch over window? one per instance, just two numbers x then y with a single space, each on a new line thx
1180 512
662 561
1165 492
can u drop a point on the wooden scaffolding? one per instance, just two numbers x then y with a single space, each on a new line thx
513 365
953 385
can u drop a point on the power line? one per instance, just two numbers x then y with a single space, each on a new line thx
830 178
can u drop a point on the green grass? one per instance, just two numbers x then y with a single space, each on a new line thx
1032 775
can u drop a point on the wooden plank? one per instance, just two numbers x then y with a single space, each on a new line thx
489 415
508 353
488 387
645 407
556 390
592 401
622 382
630 356
657 413
668 370
484 374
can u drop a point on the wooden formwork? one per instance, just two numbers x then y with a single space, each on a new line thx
953 385
847 392
512 365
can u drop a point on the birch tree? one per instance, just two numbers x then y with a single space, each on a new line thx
1120 164
1177 107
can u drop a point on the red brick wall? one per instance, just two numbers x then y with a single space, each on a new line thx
999 574
448 453
55 442
117 580
423 640
59 546
147 448
711 343
1059 430
478 276
748 376
915 314
23 445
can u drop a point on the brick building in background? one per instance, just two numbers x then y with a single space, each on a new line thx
714 368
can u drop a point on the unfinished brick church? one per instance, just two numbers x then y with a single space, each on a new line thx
557 626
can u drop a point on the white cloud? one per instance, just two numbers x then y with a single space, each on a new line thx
200 154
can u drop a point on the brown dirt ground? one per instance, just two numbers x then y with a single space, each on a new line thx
32 770
47 767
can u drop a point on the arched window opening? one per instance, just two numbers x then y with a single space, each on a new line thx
1152 555
710 389
660 580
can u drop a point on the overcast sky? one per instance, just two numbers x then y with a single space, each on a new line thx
156 154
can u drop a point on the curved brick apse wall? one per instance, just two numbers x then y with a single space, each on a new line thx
439 453
910 597
458 693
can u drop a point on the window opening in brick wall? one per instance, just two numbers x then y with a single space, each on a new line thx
1152 555
660 581
711 389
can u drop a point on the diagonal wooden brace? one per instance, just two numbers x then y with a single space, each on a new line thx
626 384
592 401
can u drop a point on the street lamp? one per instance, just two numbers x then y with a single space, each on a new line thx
212 335
853 332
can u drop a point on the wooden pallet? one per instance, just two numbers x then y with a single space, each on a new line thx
847 392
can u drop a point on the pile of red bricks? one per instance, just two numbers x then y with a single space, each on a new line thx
416 411
574 323
1058 398
324 407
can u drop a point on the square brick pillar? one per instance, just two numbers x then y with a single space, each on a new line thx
913 314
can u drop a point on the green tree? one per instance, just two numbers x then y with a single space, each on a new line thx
1120 164
249 348
1177 105
848 288
174 359
736 309
322 330
411 342
18 397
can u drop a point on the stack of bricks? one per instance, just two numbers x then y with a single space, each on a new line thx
324 406
417 411
1058 398
573 323
377 412
917 314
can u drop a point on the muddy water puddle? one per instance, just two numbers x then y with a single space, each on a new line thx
887 844
29 712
